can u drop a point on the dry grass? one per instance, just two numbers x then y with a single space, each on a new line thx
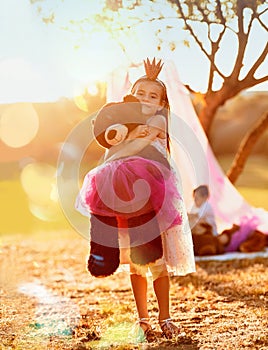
49 301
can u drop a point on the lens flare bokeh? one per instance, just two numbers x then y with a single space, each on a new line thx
38 181
19 125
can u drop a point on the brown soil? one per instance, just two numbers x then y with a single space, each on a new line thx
49 301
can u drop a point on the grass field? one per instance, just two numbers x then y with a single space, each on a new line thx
49 300
17 218
253 182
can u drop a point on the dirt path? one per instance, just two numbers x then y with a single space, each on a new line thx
49 301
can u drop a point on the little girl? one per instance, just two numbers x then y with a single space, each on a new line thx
176 253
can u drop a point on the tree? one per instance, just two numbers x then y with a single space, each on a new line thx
237 16
220 19
223 16
246 147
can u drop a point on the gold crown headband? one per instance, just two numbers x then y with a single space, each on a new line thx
152 69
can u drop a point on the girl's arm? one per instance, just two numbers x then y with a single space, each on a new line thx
156 126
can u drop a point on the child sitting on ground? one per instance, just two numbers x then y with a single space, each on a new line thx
202 214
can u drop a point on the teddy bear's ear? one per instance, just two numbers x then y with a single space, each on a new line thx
115 134
130 98
133 103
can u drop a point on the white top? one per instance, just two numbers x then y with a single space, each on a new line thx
206 212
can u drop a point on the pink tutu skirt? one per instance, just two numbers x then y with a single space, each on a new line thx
131 187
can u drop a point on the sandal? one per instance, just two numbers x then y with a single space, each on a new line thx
143 331
169 329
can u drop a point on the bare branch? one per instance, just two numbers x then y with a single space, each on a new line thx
242 41
258 62
198 41
246 147
239 12
262 23
250 24
215 47
262 12
239 85
191 30
222 18
197 3
260 80
247 83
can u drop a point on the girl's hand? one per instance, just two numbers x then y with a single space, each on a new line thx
138 132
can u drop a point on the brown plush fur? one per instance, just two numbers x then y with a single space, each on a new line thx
207 244
256 242
226 235
204 241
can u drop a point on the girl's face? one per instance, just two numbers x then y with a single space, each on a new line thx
149 93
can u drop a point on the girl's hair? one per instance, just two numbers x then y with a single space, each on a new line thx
166 107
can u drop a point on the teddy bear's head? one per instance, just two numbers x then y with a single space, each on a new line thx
115 120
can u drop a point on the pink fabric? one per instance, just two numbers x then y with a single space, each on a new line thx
131 187
191 154
247 226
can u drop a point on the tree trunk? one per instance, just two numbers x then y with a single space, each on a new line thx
214 100
206 117
246 147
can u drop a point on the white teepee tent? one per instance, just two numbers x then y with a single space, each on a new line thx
191 154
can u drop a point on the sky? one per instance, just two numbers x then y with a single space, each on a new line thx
41 62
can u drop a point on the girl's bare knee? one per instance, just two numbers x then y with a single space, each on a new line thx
158 271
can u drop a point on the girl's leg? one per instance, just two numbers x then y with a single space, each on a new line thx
139 288
144 330
161 288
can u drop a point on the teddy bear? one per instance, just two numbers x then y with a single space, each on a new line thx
205 243
256 242
243 238
111 126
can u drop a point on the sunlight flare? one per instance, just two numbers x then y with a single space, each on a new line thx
81 103
37 180
39 183
19 125
55 315
51 212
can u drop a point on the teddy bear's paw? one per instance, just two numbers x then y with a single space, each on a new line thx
207 250
103 261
